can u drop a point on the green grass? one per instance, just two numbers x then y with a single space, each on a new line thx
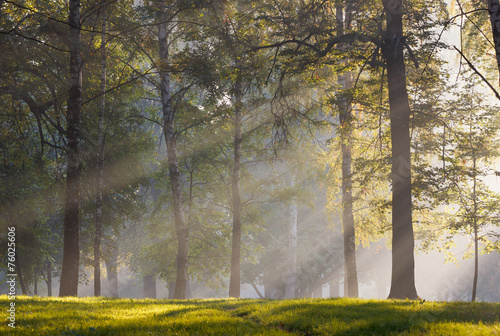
103 316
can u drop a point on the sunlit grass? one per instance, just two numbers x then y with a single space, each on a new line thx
103 316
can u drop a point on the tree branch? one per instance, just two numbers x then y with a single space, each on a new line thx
478 73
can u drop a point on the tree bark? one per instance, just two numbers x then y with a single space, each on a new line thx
71 249
345 110
100 167
171 289
181 229
403 263
149 286
35 284
20 276
49 278
256 289
234 281
291 277
494 11
474 223
112 271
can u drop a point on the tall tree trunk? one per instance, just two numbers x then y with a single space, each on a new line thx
345 110
171 289
35 284
100 166
71 249
403 263
112 271
474 223
494 10
20 276
49 278
181 229
149 286
291 277
234 281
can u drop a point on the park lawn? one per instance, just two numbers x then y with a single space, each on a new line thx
105 316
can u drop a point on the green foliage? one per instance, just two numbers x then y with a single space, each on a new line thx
465 146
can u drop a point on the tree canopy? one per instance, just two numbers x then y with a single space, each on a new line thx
246 143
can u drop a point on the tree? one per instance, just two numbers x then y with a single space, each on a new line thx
392 46
234 281
241 85
70 266
100 164
345 121
181 229
403 262
291 275
471 148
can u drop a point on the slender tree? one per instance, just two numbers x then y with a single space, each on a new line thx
71 250
112 269
345 117
291 276
49 278
181 228
100 164
234 281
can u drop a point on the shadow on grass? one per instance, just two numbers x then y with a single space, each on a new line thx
356 317
103 316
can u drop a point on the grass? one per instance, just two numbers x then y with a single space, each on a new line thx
104 316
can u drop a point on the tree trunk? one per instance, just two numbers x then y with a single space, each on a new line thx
149 286
476 239
345 82
476 262
334 288
256 289
20 276
171 289
494 10
181 229
100 167
49 278
35 285
234 281
71 249
112 271
403 263
291 277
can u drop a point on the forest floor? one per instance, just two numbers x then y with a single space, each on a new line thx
105 316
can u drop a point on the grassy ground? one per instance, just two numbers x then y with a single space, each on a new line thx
102 316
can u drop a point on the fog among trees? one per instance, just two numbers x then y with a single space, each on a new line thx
251 148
